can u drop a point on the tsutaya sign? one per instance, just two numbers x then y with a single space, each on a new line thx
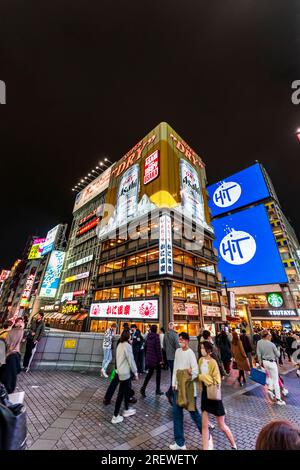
139 310
265 313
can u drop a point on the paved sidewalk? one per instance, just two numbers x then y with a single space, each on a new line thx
65 411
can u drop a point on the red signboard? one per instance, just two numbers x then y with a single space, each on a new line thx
78 293
87 217
88 226
4 275
151 167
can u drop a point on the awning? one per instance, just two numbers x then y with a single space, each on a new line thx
82 316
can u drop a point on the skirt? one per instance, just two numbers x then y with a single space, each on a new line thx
214 407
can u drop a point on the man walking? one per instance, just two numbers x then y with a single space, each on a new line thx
107 348
170 345
36 332
268 354
184 385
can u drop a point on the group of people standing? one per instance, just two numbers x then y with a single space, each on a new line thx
186 375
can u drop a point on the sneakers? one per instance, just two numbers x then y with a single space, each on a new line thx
234 447
285 392
117 419
176 447
281 402
211 427
129 412
298 372
271 394
210 443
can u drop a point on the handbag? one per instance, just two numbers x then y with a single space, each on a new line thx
112 375
258 375
214 392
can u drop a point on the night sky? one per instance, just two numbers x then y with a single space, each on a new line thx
87 79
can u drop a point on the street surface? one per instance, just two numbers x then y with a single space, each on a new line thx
65 411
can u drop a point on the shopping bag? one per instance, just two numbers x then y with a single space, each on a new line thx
112 375
214 392
258 375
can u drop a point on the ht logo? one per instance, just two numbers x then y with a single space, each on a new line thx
2 92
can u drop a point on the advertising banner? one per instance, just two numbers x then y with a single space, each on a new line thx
80 261
161 171
50 240
238 190
247 249
138 310
28 287
37 248
265 313
165 245
95 188
4 275
52 275
77 277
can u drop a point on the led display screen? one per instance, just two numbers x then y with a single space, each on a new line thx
247 249
238 190
52 275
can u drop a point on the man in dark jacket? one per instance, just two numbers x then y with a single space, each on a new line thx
171 343
36 332
247 346
154 360
137 342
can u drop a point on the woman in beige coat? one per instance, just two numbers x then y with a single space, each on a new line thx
240 357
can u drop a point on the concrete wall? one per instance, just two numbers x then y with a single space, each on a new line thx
53 352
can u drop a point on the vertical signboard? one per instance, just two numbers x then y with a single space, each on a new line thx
165 245
37 248
191 194
4 275
52 275
28 287
50 240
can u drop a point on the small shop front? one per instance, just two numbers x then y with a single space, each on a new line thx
287 319
70 317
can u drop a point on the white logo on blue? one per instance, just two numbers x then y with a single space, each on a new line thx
237 247
227 194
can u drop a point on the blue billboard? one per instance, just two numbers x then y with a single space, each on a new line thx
238 190
52 275
247 250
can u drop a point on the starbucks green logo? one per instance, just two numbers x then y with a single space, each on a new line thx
275 300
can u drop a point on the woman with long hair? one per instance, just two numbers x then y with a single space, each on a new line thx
125 365
240 358
209 375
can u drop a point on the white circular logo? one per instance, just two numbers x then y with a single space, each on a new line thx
237 247
227 194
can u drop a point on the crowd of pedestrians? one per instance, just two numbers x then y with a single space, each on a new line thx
147 354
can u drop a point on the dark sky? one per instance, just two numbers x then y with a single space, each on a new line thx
90 78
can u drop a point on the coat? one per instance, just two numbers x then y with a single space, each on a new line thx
246 343
240 356
225 350
153 350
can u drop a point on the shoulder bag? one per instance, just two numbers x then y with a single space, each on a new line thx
214 392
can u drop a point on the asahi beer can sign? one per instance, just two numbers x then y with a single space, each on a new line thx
191 195
127 199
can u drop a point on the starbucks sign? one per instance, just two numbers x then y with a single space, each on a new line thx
275 300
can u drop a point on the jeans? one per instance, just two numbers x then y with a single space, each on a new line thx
171 367
29 347
272 369
107 357
124 392
178 421
149 375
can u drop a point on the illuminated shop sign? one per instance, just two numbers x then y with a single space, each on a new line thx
88 227
151 167
185 308
139 310
87 217
191 194
37 248
275 300
70 295
79 293
165 245
50 240
238 190
69 309
4 275
265 313
52 275
96 187
80 261
77 277
28 287
211 311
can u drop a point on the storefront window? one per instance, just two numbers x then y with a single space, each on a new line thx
209 296
177 255
191 292
179 290
141 290
108 294
188 260
119 264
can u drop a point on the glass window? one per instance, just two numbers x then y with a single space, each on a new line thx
208 295
141 290
179 290
152 255
108 294
152 289
188 260
191 292
177 255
